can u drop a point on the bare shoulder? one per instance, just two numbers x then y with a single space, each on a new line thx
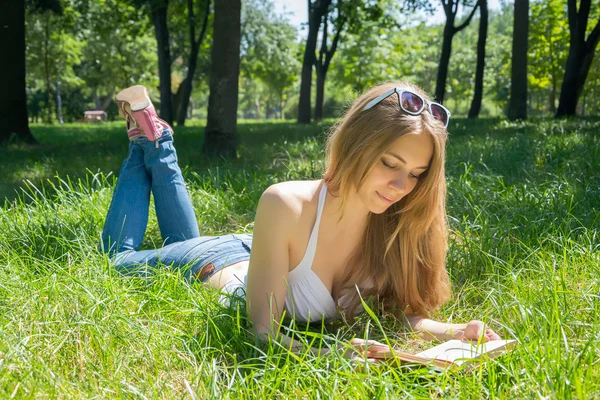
292 196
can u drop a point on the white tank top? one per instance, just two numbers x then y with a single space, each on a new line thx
307 296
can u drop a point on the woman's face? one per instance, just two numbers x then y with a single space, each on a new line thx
397 172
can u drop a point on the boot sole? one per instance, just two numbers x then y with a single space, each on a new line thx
135 96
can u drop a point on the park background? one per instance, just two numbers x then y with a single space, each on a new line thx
522 169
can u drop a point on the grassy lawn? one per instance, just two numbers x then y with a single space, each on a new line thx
524 213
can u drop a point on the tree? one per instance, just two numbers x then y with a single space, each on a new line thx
13 102
483 27
547 53
186 85
220 132
14 122
517 107
461 71
370 55
54 45
367 57
581 55
316 10
112 59
325 55
342 15
450 9
159 9
269 55
498 54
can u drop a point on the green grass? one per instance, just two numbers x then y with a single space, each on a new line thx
524 255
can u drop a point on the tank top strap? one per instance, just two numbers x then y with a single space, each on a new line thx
306 264
322 196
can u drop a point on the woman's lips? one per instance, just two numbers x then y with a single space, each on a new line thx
386 199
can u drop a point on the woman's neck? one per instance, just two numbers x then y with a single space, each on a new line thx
355 214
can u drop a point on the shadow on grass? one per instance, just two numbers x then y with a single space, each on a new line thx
551 161
74 149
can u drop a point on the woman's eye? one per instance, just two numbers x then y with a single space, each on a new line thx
411 175
387 165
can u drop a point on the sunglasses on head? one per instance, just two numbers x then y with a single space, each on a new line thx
413 104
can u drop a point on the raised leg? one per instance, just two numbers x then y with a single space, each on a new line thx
174 211
127 215
176 218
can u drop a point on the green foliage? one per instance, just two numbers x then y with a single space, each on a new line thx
411 52
524 256
179 34
91 49
53 50
270 57
548 49
120 49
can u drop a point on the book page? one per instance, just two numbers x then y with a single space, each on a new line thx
458 351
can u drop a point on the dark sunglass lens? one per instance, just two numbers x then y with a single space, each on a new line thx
411 102
439 113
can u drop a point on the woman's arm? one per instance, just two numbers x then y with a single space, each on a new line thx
268 272
431 330
269 262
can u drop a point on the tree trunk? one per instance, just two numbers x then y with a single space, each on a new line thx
567 102
440 86
193 61
47 69
579 60
585 69
178 99
450 9
552 100
321 74
97 105
483 26
517 108
324 60
553 93
185 98
108 100
159 19
315 15
14 124
257 106
281 105
59 115
220 133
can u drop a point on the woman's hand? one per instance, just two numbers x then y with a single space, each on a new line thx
361 347
477 329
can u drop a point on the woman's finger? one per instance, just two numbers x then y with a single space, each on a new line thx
492 335
360 363
368 345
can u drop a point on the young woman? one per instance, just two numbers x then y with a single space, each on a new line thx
375 224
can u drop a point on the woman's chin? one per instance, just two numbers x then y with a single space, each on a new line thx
378 208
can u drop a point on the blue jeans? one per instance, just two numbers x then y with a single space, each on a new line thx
147 169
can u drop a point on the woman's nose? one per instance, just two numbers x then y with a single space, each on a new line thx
398 184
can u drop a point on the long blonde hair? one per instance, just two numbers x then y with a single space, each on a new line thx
402 253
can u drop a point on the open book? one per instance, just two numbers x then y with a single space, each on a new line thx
448 355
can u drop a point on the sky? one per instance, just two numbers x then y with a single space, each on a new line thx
297 11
